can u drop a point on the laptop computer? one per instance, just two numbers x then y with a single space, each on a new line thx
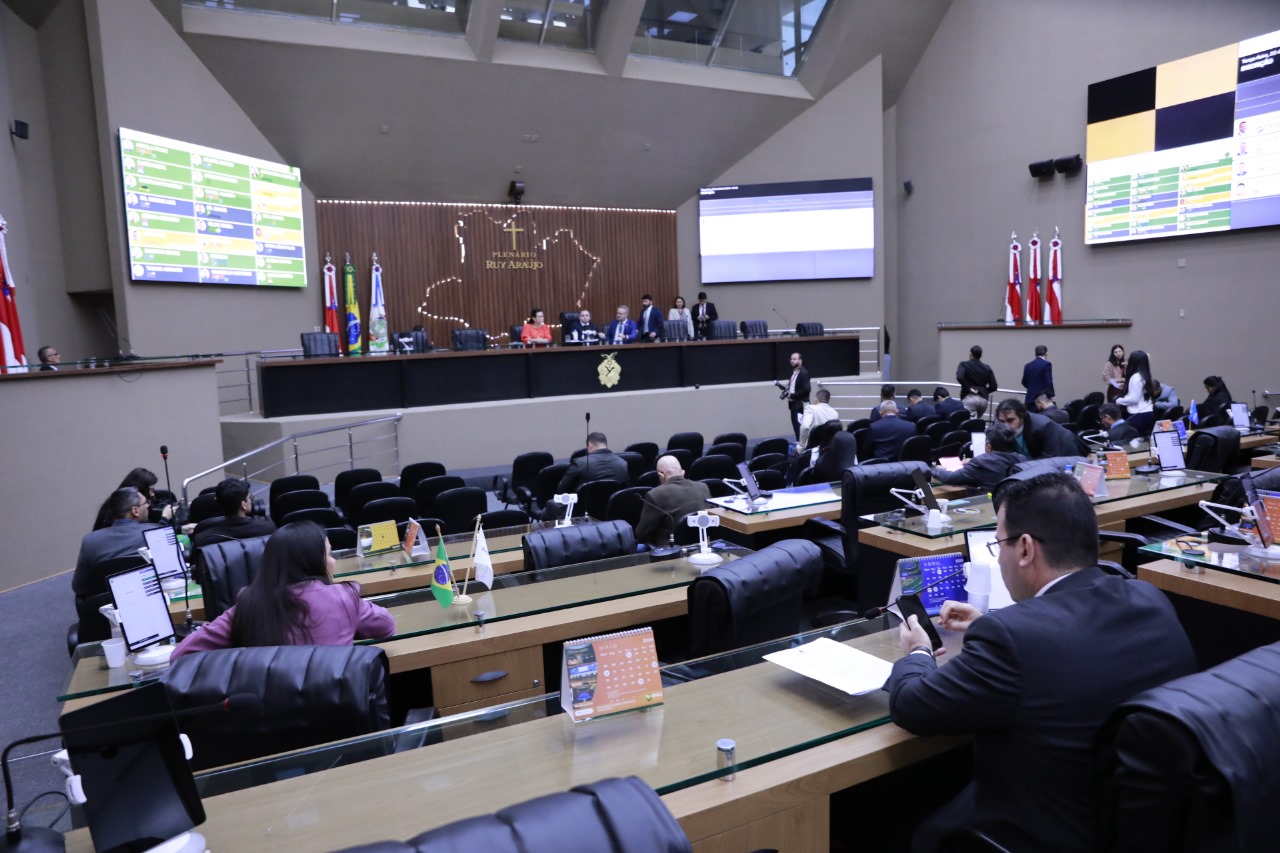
142 608
166 552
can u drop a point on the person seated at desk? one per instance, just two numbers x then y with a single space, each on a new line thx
583 332
1167 400
1036 680
236 502
669 502
294 602
985 472
815 415
1219 399
599 463
536 332
144 480
887 392
945 403
918 407
1047 407
50 358
889 433
1112 418
128 509
1038 437
622 330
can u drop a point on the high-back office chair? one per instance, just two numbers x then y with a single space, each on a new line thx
627 505
415 472
309 695
718 487
609 816
713 467
471 339
513 335
518 488
810 330
752 599
1094 398
675 330
430 487
917 448
544 487
203 507
636 465
348 480
366 493
734 437
320 345
458 508
593 497
225 568
755 329
496 519
291 502
649 479
769 480
683 456
722 330
397 508
764 461
935 431
690 441
769 445
736 452
647 449
90 625
1212 449
341 538
568 320
1190 765
564 546
922 425
323 516
292 483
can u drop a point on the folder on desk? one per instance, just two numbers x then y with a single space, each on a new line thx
845 668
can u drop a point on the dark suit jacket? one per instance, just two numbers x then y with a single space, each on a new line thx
1122 432
1033 684
923 409
589 334
48 367
948 406
665 504
700 326
983 471
1044 438
600 465
628 331
887 437
122 538
220 529
973 373
1037 378
656 319
1057 415
796 401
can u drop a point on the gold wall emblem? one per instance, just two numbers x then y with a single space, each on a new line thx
609 370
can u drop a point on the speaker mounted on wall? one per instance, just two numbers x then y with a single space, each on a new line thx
20 129
1041 169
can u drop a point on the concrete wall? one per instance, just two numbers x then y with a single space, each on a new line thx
69 438
1004 84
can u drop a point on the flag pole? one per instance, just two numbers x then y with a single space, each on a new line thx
466 579
458 598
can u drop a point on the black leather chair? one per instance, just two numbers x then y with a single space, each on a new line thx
937 431
765 460
627 504
713 467
470 339
396 508
609 816
753 599
429 487
308 694
957 418
732 437
1213 449
722 330
320 345
323 516
90 625
770 445
675 330
770 480
544 487
1047 465
568 321
203 507
563 546
1087 420
636 465
366 493
1190 765
225 568
458 508
860 423
348 480
917 448
593 497
736 452
690 441
755 329
418 342
292 483
291 502
649 479
497 519
513 336
719 488
414 473
341 538
647 449
810 330
518 488
682 455
1094 398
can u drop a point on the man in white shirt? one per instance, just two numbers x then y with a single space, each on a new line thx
815 414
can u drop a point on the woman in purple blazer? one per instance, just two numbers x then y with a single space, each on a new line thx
294 601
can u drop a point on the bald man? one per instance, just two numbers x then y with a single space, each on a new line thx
665 504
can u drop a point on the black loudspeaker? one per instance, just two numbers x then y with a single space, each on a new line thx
1041 169
516 191
908 187
20 129
1068 165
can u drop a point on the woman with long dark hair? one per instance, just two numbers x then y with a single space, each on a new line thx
679 312
1141 392
1113 372
536 332
294 601
144 480
1219 399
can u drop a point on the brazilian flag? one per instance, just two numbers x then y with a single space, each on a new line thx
442 577
355 344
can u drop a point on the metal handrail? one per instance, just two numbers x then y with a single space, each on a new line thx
926 387
292 439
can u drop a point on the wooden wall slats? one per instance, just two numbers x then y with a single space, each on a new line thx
441 261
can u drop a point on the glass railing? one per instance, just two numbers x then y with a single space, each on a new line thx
446 18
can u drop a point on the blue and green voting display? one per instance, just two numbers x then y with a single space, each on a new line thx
202 216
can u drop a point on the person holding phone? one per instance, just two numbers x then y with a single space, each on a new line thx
1034 681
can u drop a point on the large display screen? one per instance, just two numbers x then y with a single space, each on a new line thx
201 216
798 231
1186 147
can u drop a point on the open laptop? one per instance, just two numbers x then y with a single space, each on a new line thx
166 552
1240 417
142 608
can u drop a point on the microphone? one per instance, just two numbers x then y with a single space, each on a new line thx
588 425
672 550
876 611
779 313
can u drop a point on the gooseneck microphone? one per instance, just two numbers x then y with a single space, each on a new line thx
588 426
876 611
672 550
779 313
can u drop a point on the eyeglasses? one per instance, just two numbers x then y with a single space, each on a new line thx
994 545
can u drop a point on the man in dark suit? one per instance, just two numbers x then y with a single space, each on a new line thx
887 392
1035 680
797 392
650 324
1038 437
1050 410
889 433
235 522
1111 417
50 358
918 407
986 471
665 504
704 314
1037 375
977 382
584 332
622 330
128 509
599 463
945 403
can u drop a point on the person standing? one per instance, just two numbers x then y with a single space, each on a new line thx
650 325
1036 680
1113 373
681 313
797 392
977 382
704 314
1037 376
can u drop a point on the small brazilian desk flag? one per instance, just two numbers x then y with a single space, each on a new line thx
442 577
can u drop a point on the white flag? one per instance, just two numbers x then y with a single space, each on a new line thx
483 564
379 340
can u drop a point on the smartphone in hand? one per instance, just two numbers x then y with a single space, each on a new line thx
910 605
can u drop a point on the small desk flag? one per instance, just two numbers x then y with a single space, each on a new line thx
442 577
482 562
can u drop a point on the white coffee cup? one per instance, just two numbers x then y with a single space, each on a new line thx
933 519
114 651
943 503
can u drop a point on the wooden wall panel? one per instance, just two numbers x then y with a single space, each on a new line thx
450 266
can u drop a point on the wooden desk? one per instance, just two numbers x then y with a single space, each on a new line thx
1269 461
1216 587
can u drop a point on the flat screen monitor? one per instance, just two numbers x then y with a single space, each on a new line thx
142 608
793 231
166 552
1169 450
197 215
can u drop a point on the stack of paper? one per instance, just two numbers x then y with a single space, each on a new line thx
835 664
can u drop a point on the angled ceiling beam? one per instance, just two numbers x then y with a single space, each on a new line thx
482 27
617 31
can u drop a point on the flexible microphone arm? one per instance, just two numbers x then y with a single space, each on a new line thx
904 494
1246 514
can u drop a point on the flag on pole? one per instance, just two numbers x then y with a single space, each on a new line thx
482 562
1013 294
1053 293
1194 414
354 345
1033 281
13 354
330 295
442 577
379 340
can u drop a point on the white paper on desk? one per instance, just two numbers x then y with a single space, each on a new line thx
835 664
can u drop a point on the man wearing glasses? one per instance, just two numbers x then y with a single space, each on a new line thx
129 509
1034 681
622 330
1038 437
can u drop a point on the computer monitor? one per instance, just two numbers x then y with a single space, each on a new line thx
1169 450
166 552
141 607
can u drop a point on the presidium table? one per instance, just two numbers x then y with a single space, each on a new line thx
315 386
